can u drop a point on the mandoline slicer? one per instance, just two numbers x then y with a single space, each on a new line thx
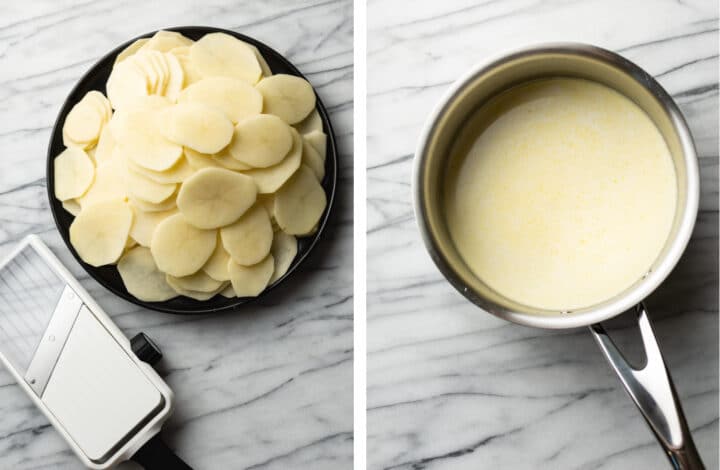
77 366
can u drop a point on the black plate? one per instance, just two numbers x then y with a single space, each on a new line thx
108 276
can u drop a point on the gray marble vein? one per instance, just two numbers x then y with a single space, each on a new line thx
269 387
451 387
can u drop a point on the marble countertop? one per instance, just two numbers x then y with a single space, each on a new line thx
268 387
451 387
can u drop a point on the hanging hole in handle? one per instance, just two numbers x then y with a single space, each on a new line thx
625 332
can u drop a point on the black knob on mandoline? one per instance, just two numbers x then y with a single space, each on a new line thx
145 349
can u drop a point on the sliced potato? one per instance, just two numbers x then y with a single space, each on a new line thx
197 295
199 160
140 141
225 160
74 173
145 223
165 41
131 49
126 84
269 180
180 249
289 97
249 239
300 203
176 77
85 121
217 266
261 141
218 54
318 141
152 72
141 276
214 197
105 146
264 67
311 123
198 282
143 188
189 72
250 281
72 206
175 174
312 160
233 97
166 205
109 183
228 292
100 231
197 126
283 250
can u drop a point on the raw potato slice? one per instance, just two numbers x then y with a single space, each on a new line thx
300 203
139 140
100 231
217 266
261 141
225 160
165 41
289 97
199 160
74 173
198 282
218 54
228 292
145 223
84 122
166 205
142 278
131 50
189 72
318 140
233 97
197 126
126 84
269 180
284 250
176 77
154 76
142 187
179 249
214 197
109 183
264 67
105 146
311 123
268 202
72 206
176 174
250 281
249 239
313 161
98 100
201 296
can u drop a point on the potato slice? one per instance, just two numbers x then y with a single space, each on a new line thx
176 174
264 67
189 72
142 187
225 160
197 295
214 197
217 266
250 281
233 97
300 202
142 278
318 141
109 183
198 282
140 141
196 126
160 65
145 223
74 173
289 97
218 54
199 160
105 146
249 239
179 249
126 84
228 292
131 49
84 122
165 41
312 159
154 76
166 205
269 180
98 100
283 250
176 77
261 141
311 123
100 231
72 206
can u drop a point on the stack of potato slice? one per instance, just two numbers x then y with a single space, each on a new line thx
197 172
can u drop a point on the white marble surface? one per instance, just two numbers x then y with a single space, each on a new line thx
450 387
269 387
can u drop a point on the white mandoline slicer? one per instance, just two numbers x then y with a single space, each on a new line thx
78 367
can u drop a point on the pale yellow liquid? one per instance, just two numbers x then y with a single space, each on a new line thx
560 193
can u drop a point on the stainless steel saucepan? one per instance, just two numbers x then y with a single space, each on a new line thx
650 387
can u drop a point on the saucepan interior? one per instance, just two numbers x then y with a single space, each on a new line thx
552 60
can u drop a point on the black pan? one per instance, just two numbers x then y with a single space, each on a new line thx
108 276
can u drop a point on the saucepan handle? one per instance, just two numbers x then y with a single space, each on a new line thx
652 390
